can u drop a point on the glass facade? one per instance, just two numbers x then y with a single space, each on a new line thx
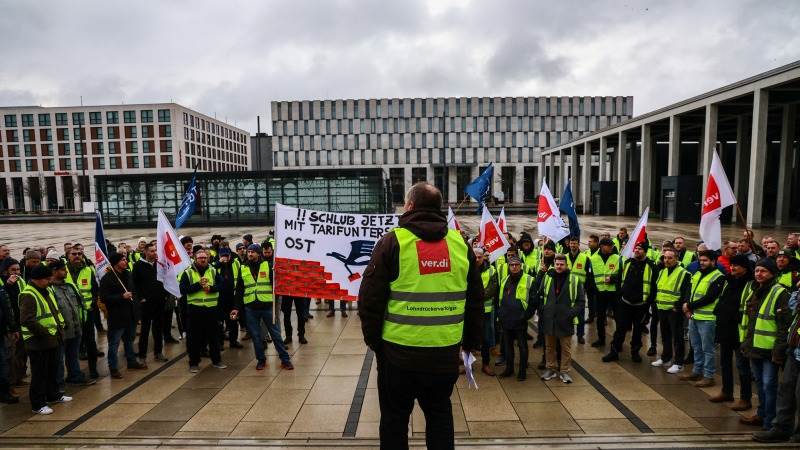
240 198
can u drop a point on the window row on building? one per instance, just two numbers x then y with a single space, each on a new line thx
198 123
284 159
91 163
452 107
79 118
426 140
95 133
442 125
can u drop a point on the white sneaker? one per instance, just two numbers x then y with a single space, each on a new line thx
674 369
64 399
44 410
565 378
220 366
659 363
194 369
549 374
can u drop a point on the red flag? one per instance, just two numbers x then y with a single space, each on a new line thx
718 195
639 234
549 223
491 238
170 251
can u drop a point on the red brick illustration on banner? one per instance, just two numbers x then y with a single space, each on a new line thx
322 254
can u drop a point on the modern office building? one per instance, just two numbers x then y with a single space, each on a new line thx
446 141
44 166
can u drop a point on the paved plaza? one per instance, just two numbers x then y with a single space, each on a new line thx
331 400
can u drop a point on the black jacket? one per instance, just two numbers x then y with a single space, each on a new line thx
558 312
632 291
373 298
512 314
148 291
187 287
728 315
121 312
8 320
227 286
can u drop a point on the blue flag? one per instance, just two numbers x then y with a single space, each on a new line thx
567 206
479 187
188 204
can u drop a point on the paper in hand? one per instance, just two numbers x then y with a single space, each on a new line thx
468 360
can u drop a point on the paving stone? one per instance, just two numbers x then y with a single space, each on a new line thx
116 417
545 417
181 405
607 426
584 402
661 414
320 419
277 405
217 417
153 428
332 391
496 429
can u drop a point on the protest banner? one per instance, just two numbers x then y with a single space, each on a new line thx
323 254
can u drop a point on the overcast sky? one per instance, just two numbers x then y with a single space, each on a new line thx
230 58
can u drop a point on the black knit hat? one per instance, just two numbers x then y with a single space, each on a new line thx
769 264
740 260
114 258
550 245
41 272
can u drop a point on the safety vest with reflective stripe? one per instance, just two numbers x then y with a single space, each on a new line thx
668 287
522 291
427 309
530 262
700 284
578 266
785 280
573 282
766 329
747 292
257 288
486 276
647 277
44 316
83 285
688 257
601 269
201 297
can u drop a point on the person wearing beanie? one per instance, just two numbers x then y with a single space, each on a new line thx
707 285
228 273
604 283
138 252
70 304
637 292
121 314
516 304
42 329
787 269
188 244
729 316
765 326
83 278
528 253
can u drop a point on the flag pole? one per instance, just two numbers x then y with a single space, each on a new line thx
458 207
741 216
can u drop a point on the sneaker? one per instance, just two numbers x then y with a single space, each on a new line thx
675 368
500 362
194 369
705 382
691 377
771 436
63 399
287 365
330 314
261 365
659 362
302 340
115 374
581 340
287 341
652 351
220 365
160 357
565 378
636 358
137 366
44 410
236 345
549 374
344 313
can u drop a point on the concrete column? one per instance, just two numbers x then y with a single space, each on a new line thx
60 192
551 179
740 157
9 192
602 172
673 160
92 189
540 175
26 192
562 173
709 140
574 164
646 169
452 196
783 199
76 193
497 182
519 184
45 198
406 179
586 177
758 156
622 175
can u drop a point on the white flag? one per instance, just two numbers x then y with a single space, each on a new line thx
172 257
639 235
501 220
452 223
491 238
718 195
549 221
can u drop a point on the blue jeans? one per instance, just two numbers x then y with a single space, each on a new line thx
765 374
126 335
68 356
255 317
701 335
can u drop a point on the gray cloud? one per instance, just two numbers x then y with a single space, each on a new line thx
231 58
